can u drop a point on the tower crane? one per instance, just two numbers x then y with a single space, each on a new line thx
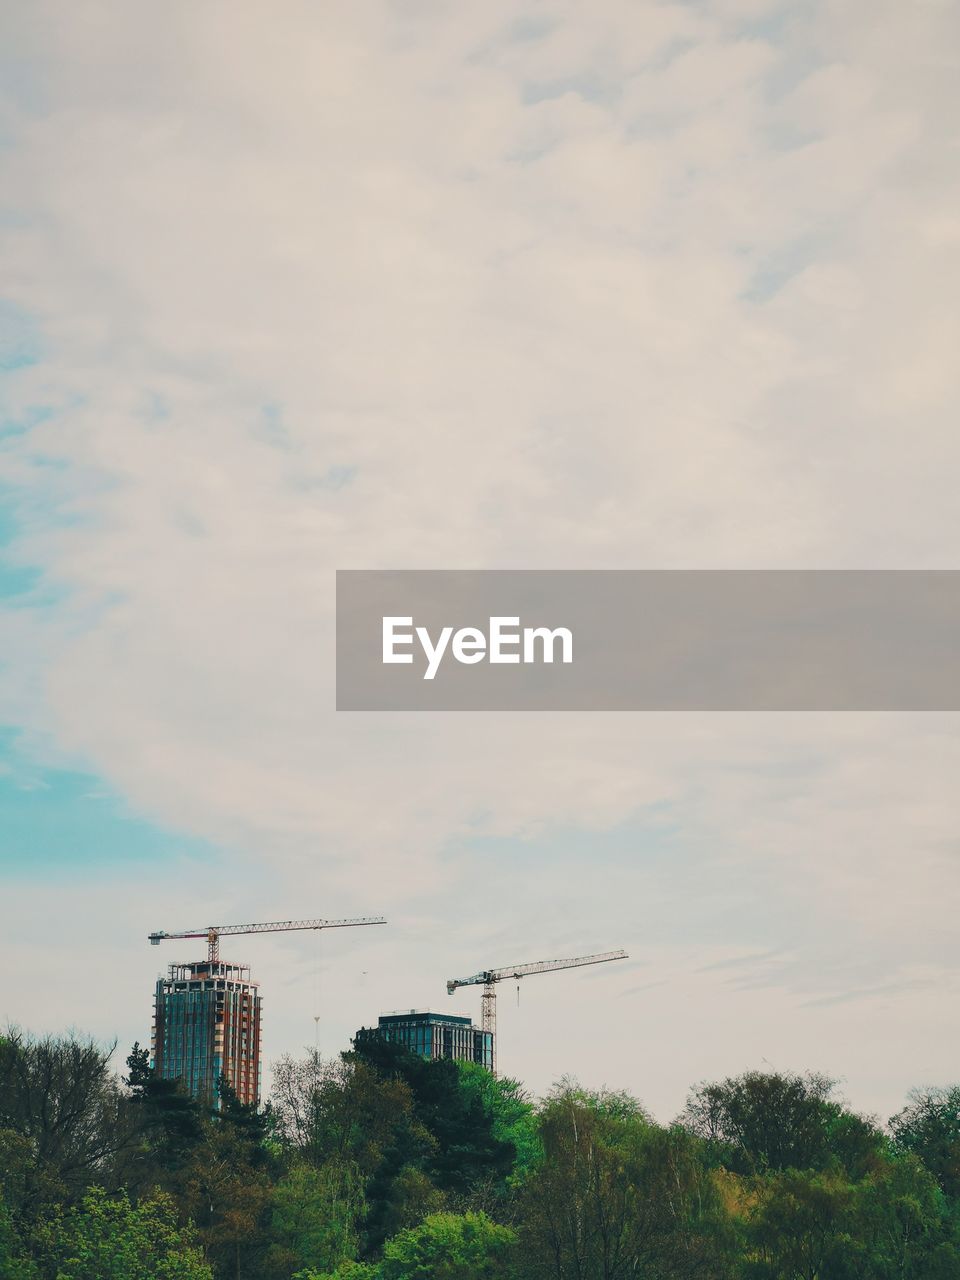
213 932
488 978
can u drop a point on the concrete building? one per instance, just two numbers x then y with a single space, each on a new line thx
206 1023
435 1035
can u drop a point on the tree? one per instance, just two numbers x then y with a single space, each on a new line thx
799 1228
929 1127
345 1271
513 1116
110 1239
444 1246
449 1246
224 1187
314 1216
341 1109
253 1126
903 1227
465 1149
60 1095
761 1122
14 1265
170 1121
346 1112
25 1184
821 1225
617 1197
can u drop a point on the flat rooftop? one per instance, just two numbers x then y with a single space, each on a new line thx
424 1016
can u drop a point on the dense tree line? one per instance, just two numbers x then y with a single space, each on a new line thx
384 1166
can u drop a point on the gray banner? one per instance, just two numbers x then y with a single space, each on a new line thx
639 640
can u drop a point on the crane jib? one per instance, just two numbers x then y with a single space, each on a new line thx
213 932
489 976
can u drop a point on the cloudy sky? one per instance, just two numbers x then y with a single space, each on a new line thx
292 287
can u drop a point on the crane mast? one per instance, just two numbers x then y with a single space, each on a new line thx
214 932
488 979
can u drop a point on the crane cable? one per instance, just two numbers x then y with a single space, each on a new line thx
316 990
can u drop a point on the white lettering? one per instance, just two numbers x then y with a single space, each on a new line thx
469 646
532 634
498 638
391 640
434 653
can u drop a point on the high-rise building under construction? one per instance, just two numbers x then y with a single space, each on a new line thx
206 1015
206 1024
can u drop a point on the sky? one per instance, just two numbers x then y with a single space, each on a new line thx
292 288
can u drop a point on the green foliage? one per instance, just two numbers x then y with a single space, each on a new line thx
513 1115
929 1127
444 1152
224 1188
14 1264
765 1123
26 1184
170 1122
385 1166
891 1225
444 1246
800 1227
903 1225
314 1214
343 1110
346 1271
449 1246
61 1098
252 1125
397 1198
465 1148
616 1196
105 1239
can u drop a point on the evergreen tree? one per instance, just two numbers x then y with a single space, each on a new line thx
170 1119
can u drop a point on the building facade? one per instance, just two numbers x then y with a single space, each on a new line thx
206 1024
435 1035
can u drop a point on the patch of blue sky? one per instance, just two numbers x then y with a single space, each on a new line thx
18 583
21 584
660 877
530 27
797 57
777 269
25 585
8 523
22 75
22 423
154 408
20 341
271 428
772 26
336 477
525 29
652 833
16 580
339 476
72 824
590 88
